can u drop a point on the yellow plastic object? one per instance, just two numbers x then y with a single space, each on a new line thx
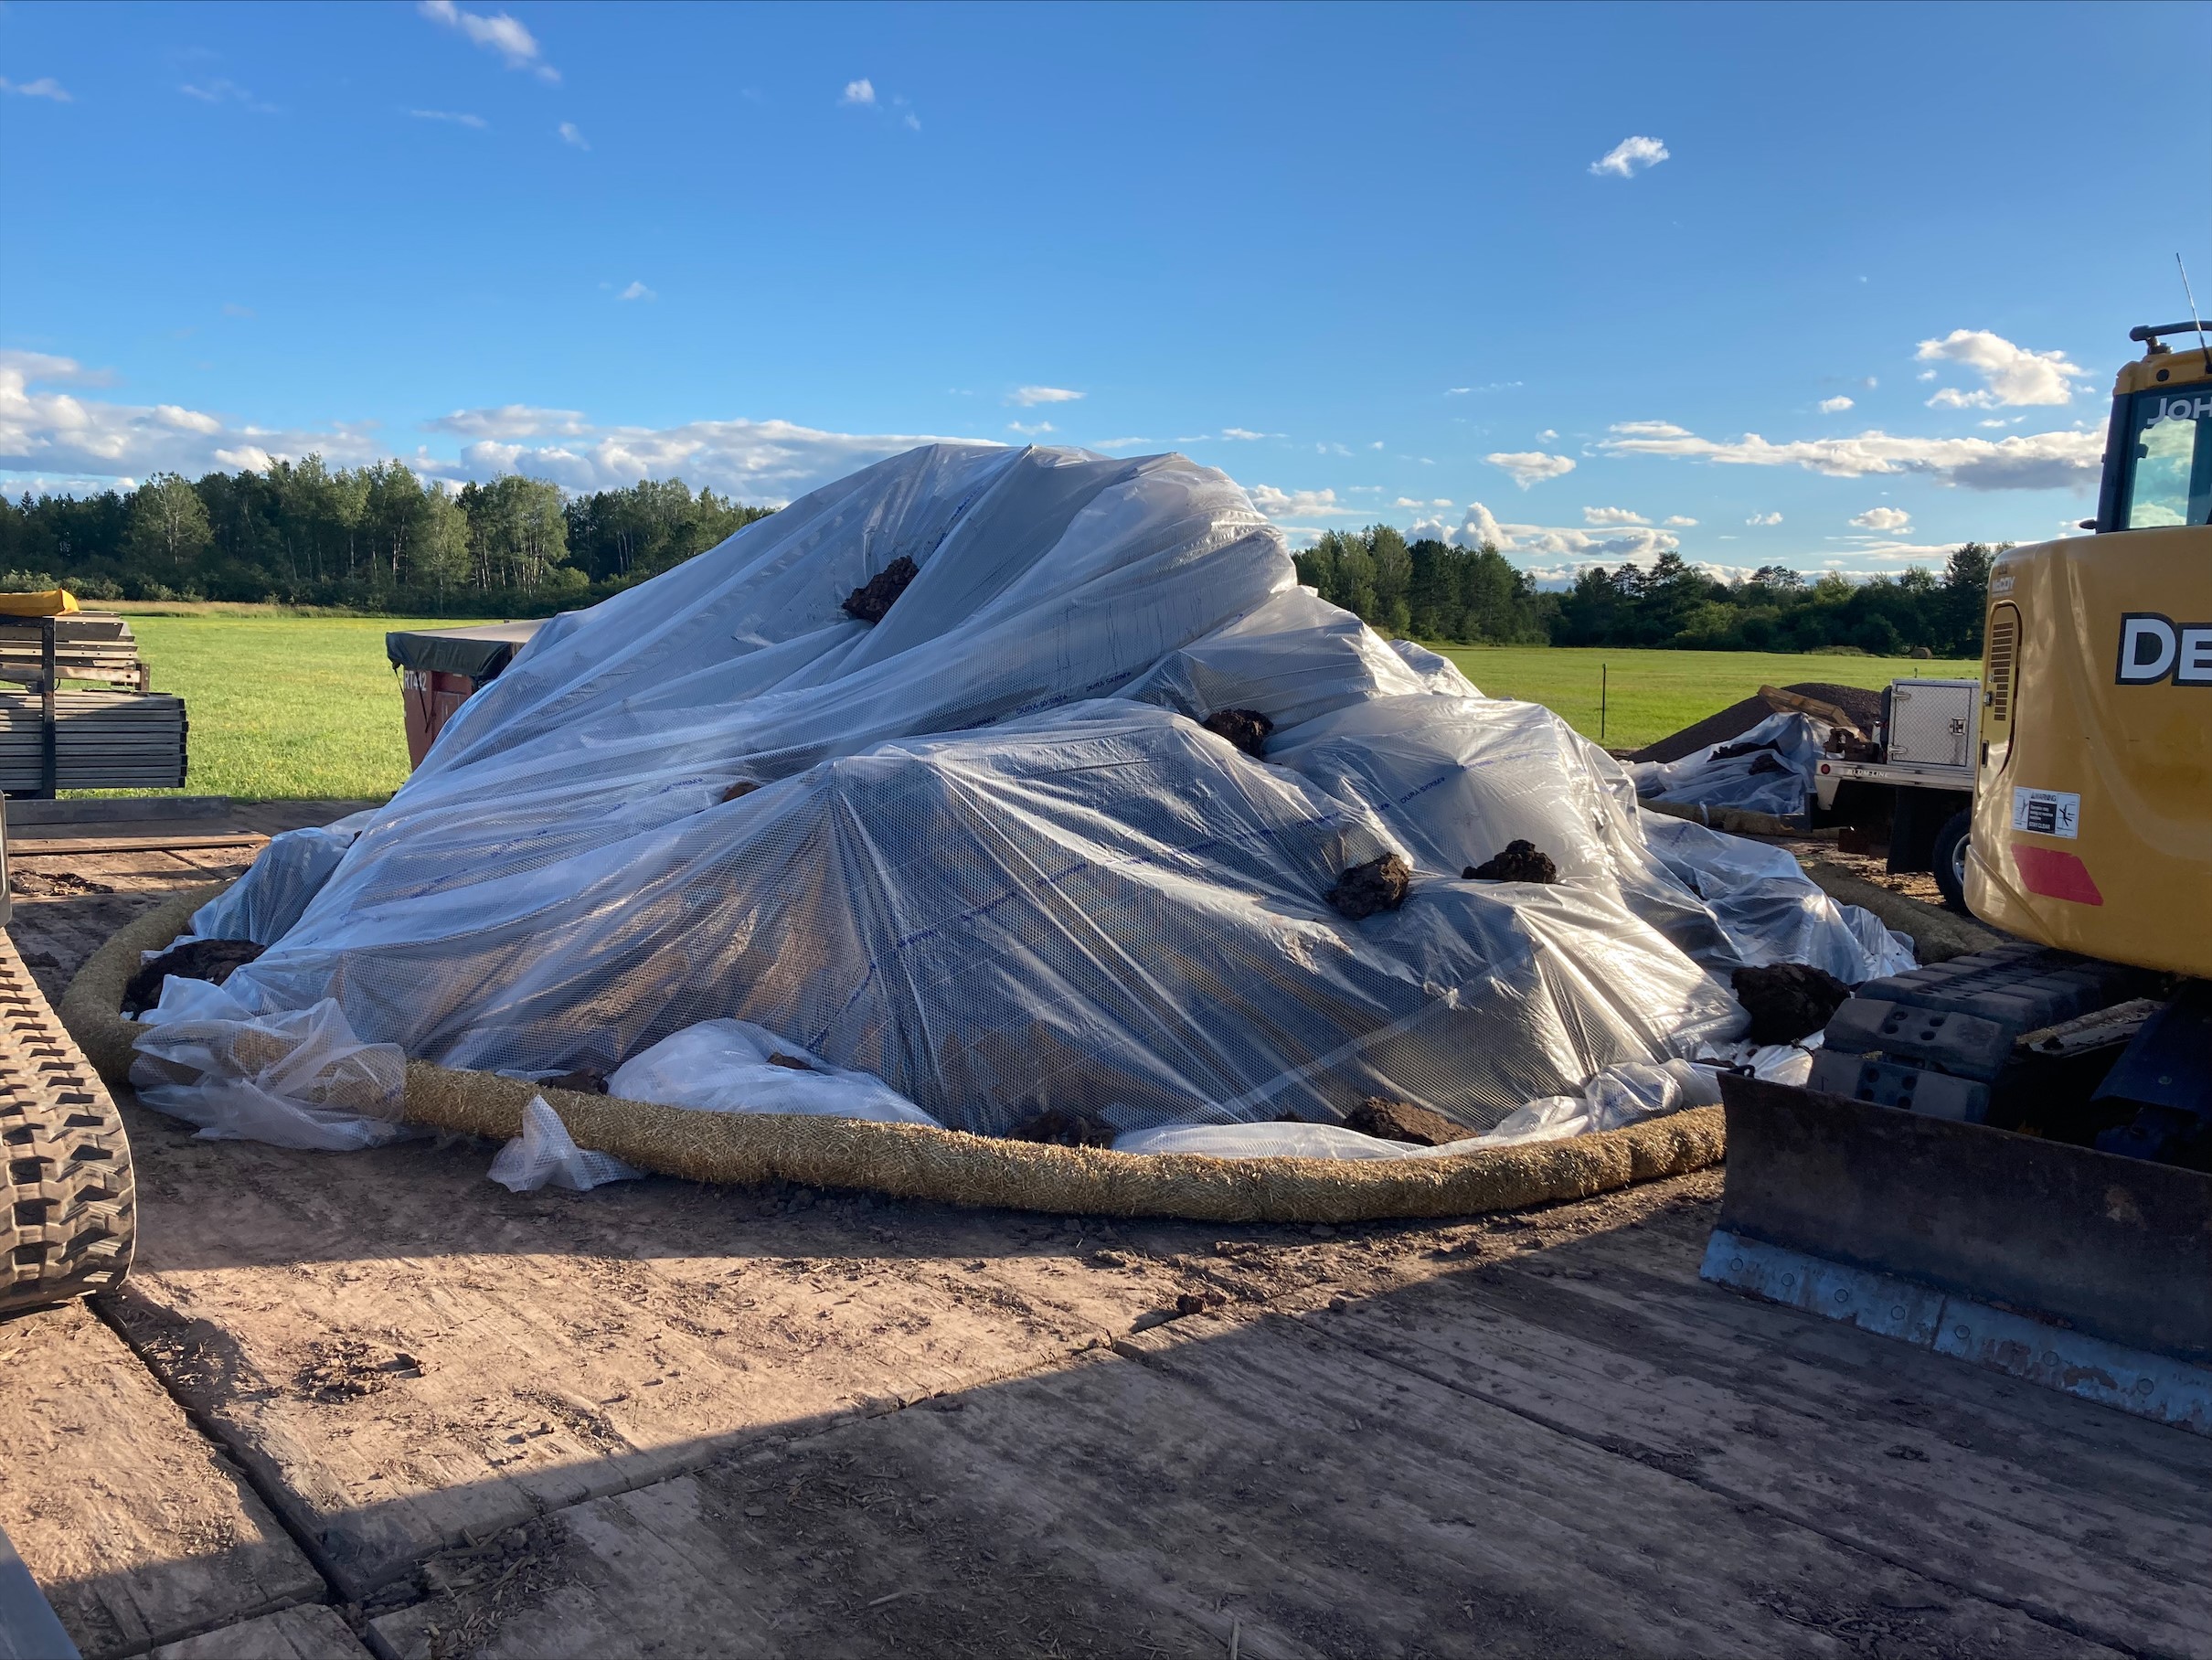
53 602
2093 827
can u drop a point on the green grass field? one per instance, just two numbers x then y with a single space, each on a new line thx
306 706
282 705
1650 693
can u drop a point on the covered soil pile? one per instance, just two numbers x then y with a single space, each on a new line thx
1857 701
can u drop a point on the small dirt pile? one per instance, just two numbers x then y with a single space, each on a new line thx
1401 1121
1379 885
1520 862
209 960
1788 1001
1247 729
873 603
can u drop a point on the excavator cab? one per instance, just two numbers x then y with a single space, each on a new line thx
2008 1156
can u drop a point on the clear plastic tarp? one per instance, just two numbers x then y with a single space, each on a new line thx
983 853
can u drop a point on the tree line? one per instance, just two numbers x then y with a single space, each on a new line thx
377 537
1433 591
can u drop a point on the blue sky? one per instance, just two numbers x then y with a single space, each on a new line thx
1374 262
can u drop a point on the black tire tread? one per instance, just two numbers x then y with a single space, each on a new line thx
68 1201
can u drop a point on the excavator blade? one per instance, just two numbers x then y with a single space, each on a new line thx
2055 1263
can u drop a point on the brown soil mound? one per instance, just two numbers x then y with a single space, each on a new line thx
1788 1001
1520 862
1857 701
1247 729
1379 885
873 603
209 960
1401 1121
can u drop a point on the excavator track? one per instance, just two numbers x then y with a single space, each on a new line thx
71 1214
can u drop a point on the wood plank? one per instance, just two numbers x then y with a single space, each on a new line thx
22 814
408 1354
315 1632
1966 1477
1238 1480
134 1525
152 839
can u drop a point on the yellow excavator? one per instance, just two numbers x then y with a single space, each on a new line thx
2008 1156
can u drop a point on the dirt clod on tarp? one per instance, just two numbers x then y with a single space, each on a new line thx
1788 1001
1247 729
1863 706
209 960
1058 1127
584 1082
746 786
1379 885
1729 751
1520 862
873 601
1401 1121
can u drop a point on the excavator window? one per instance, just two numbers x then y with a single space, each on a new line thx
2170 477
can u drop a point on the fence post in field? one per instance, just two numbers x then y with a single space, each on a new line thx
1604 675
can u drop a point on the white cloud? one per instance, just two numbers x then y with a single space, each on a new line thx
2012 374
1037 430
1764 518
637 290
1546 436
45 86
516 47
225 91
1030 397
571 135
1678 522
1457 391
456 117
49 433
1297 504
1531 466
1246 434
862 91
1883 518
1835 405
511 421
1624 158
1121 443
1612 516
2038 460
1479 526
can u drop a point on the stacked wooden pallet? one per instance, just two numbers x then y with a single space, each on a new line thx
88 645
103 739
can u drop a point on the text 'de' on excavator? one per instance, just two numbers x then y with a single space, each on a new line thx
2007 1158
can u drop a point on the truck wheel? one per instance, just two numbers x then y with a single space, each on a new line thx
1950 861
71 1211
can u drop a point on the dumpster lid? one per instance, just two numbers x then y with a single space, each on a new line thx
479 650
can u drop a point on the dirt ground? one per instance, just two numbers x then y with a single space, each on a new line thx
372 1403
